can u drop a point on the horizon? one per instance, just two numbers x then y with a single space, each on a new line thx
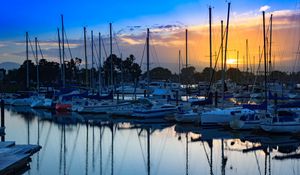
167 24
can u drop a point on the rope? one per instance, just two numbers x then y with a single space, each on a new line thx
73 150
40 50
297 57
209 162
155 53
97 54
104 48
143 53
46 143
213 73
257 163
141 148
32 48
161 153
68 44
125 152
115 38
257 73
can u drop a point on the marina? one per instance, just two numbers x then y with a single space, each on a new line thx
140 95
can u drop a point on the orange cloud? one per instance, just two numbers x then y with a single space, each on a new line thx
244 26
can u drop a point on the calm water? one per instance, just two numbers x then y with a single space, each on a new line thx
71 145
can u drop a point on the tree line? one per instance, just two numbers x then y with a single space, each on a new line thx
126 70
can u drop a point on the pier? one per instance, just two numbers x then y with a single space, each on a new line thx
14 159
2 127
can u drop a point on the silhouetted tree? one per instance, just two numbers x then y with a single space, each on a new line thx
187 75
131 70
206 73
234 74
49 72
160 73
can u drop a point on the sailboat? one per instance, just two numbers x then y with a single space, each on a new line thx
221 116
154 109
282 120
252 121
157 107
245 122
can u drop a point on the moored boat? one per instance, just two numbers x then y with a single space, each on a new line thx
283 121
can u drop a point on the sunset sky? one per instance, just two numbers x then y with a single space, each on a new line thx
167 21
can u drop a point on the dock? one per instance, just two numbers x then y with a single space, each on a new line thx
14 159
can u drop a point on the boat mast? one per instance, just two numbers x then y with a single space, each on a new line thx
111 58
223 162
179 67
92 70
122 76
226 42
37 64
148 151
59 51
247 58
100 62
237 59
100 145
265 59
148 55
222 64
186 48
87 150
112 147
186 154
85 58
186 57
27 63
210 43
270 53
63 50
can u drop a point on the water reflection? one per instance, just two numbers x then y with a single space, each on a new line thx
98 144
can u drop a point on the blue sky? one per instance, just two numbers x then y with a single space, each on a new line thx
42 17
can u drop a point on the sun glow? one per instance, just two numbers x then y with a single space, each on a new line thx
231 61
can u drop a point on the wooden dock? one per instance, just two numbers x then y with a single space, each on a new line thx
14 158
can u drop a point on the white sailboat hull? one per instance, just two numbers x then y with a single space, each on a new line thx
244 125
152 113
222 116
188 117
101 108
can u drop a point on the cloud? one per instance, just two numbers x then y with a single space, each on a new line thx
264 8
50 44
166 28
286 17
6 44
133 28
131 41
